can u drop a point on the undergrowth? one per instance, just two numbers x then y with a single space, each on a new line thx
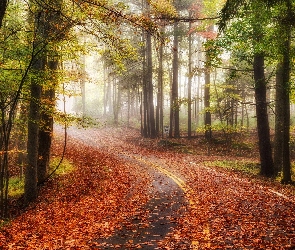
17 183
245 166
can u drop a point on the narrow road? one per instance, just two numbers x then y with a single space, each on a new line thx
158 218
196 207
153 222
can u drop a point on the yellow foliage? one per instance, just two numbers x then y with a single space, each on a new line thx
164 8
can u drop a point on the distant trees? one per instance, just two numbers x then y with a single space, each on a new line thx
157 59
33 37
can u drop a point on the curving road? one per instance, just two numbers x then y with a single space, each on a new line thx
158 218
193 206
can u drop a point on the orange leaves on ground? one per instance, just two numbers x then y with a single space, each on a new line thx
230 211
76 208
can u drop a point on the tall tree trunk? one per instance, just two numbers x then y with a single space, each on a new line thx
279 120
150 88
83 86
31 178
116 105
33 142
144 97
51 18
105 92
159 127
207 122
286 70
189 87
174 113
267 167
46 130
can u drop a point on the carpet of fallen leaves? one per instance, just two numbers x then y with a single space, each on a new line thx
226 210
74 209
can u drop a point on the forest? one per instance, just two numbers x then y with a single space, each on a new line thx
173 72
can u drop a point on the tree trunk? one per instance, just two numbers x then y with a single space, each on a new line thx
32 144
207 122
31 178
83 86
150 89
46 130
105 92
267 167
286 70
174 113
189 87
279 120
160 125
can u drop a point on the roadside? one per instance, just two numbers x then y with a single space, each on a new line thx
229 210
114 194
72 210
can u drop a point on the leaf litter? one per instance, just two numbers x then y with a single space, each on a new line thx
231 211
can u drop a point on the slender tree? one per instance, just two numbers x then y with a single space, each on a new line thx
257 20
150 89
38 67
174 107
189 87
279 120
159 115
286 24
207 120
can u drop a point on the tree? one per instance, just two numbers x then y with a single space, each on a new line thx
265 150
286 23
160 96
189 87
13 81
48 101
256 23
150 89
38 67
207 117
174 106
279 120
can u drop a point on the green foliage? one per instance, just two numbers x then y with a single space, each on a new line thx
242 165
16 187
16 184
241 20
65 167
221 127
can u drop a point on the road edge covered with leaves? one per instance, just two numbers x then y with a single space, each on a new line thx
76 208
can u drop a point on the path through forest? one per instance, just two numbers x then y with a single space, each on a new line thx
223 210
130 193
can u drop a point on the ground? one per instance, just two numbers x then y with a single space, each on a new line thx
133 193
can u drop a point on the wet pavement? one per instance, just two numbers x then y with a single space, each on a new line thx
153 222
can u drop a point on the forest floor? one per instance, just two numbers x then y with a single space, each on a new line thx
128 192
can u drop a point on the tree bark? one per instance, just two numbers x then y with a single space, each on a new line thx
38 67
286 68
267 167
207 122
30 193
279 120
174 117
150 89
46 130
189 87
159 124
